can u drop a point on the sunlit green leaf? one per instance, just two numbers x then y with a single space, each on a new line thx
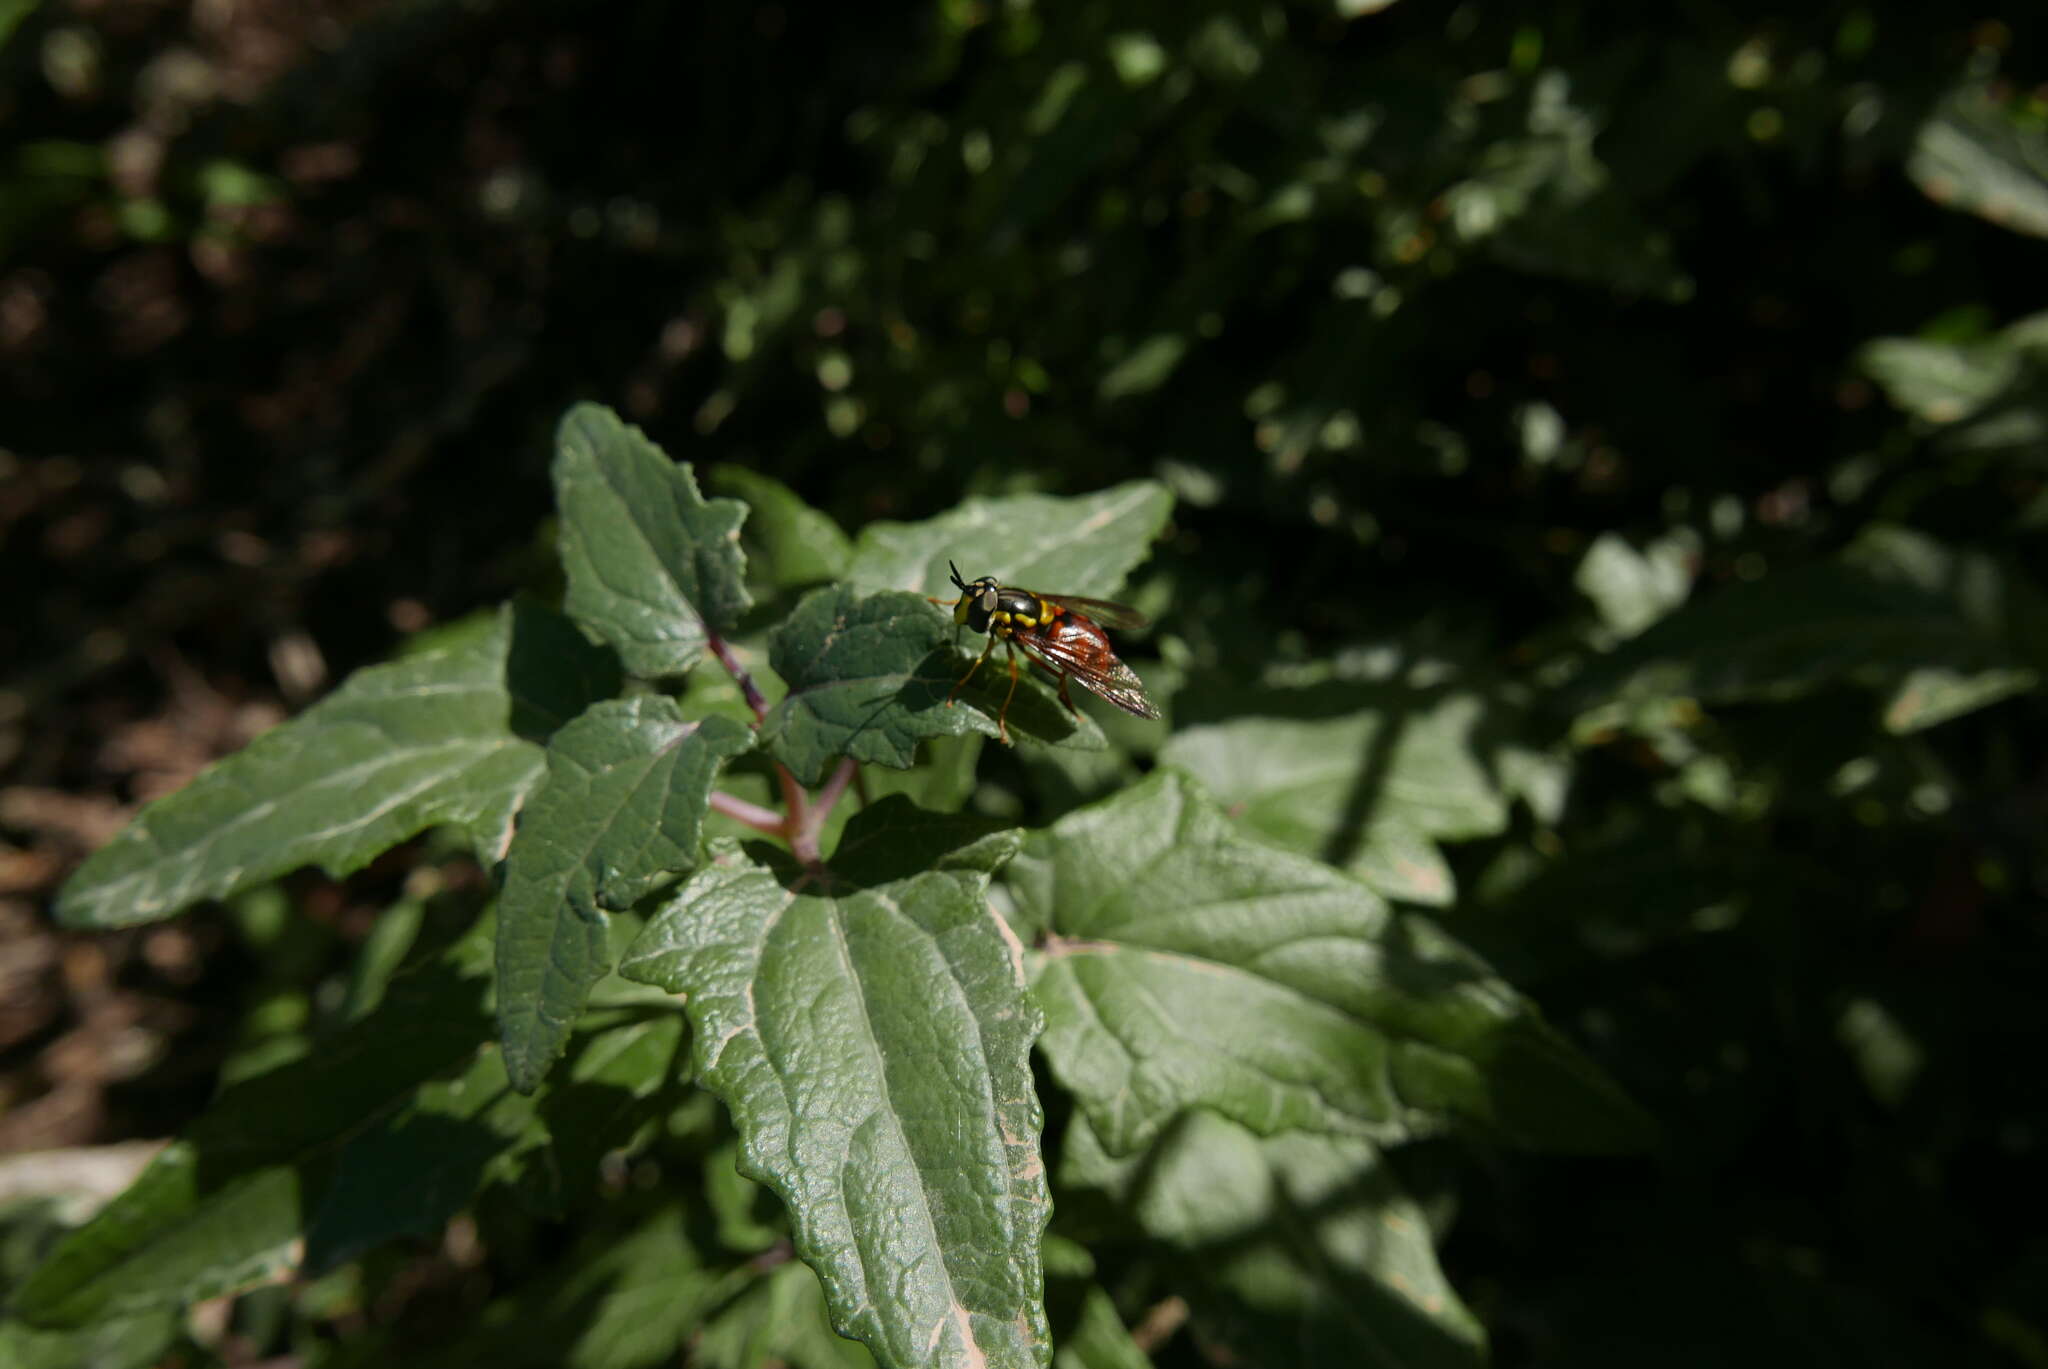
1633 589
789 543
1370 790
779 1319
1183 965
1084 545
652 564
1973 154
1100 1339
621 810
870 676
114 1343
1942 382
444 736
871 1043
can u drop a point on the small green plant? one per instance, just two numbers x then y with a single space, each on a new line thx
1225 1018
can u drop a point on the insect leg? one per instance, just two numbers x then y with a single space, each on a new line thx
1067 698
971 669
1002 718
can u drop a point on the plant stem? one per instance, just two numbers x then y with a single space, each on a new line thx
803 842
748 689
752 814
821 807
798 828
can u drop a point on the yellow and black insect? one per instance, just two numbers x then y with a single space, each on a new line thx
1061 632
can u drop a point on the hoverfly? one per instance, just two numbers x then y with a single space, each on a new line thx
1061 632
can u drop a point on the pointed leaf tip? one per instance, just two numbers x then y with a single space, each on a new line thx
442 736
651 563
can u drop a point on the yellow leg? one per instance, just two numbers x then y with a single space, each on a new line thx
971 669
1002 718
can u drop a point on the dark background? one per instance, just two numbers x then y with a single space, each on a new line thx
291 296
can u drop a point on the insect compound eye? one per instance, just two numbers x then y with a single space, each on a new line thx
988 600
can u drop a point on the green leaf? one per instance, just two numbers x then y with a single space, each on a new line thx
651 563
893 838
779 1320
407 1175
619 1300
1306 1248
12 13
444 736
1545 203
1633 589
872 1045
1083 545
789 544
1942 382
1100 1339
1145 368
1184 965
225 1206
1972 154
869 677
115 1343
1939 630
616 1087
1370 791
621 811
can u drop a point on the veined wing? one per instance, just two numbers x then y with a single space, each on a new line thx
1096 669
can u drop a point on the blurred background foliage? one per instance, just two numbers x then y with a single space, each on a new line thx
1609 446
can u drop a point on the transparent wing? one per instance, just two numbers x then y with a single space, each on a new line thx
1095 668
1103 611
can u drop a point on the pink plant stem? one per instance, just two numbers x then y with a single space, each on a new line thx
821 807
796 828
748 690
752 814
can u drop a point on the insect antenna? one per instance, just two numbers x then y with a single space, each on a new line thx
956 576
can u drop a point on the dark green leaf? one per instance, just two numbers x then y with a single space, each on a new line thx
411 1172
620 811
618 1301
651 563
226 1206
1939 631
444 736
789 544
1306 1248
617 1084
1184 966
1084 545
893 838
1545 203
872 1047
869 678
